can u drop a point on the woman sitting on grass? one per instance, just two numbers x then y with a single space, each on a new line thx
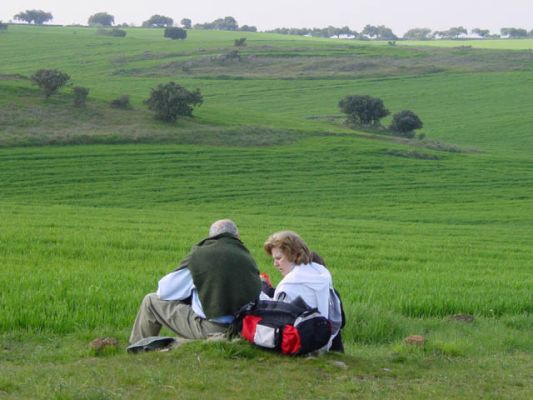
305 277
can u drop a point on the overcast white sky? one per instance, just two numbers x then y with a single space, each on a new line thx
399 15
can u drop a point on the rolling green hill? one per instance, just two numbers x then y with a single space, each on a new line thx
97 204
281 82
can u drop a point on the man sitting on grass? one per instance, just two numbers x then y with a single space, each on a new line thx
201 296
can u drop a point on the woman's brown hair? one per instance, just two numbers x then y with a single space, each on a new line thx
291 244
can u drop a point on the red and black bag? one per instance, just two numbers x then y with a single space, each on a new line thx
289 328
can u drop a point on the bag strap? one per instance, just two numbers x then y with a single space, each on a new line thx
342 308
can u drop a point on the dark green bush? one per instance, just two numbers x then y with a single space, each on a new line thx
122 102
240 42
50 80
171 100
117 32
80 96
363 110
175 33
112 32
404 124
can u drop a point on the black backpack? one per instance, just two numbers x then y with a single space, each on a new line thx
290 328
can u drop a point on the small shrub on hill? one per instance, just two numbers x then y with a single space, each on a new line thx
240 42
404 124
363 110
122 102
175 33
3 27
171 100
112 32
49 80
232 55
80 96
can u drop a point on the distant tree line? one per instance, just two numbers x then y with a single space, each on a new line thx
382 32
225 24
379 32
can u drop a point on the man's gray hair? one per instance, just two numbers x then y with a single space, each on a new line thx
223 226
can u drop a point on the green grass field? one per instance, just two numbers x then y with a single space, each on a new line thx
97 204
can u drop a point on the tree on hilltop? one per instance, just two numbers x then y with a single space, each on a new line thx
229 24
101 18
186 23
380 32
331 31
514 33
452 33
363 110
483 33
158 21
418 34
37 17
221 24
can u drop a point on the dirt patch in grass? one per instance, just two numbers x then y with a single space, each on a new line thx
336 62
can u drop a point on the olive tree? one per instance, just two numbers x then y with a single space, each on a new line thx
418 34
514 33
404 123
101 18
380 32
363 110
49 80
483 33
171 100
38 17
158 21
